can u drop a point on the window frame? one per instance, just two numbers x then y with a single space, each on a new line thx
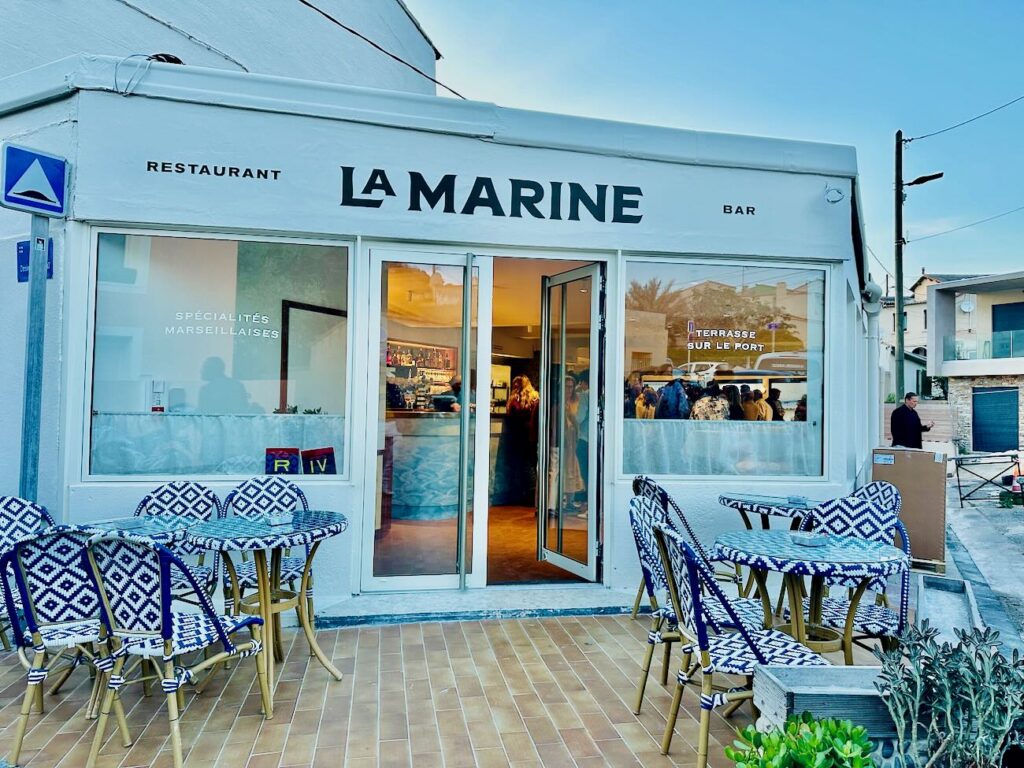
709 259
349 243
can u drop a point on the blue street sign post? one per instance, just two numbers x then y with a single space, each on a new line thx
36 183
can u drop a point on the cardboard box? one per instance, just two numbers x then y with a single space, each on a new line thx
920 477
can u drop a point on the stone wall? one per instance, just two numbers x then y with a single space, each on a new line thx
960 391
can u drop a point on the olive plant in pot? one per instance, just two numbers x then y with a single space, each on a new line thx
803 743
954 705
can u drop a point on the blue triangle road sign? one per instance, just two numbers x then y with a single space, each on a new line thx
33 181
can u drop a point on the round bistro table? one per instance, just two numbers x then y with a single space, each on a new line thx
162 528
240 534
764 551
792 508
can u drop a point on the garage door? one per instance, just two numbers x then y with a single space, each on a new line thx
995 418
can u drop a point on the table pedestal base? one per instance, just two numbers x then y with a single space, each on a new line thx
270 601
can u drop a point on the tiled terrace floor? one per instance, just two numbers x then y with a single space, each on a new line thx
553 691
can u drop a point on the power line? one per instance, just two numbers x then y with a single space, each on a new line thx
880 262
383 50
965 122
965 226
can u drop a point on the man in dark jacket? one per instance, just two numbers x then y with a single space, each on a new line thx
906 424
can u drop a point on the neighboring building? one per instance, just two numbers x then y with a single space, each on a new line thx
915 336
269 38
978 333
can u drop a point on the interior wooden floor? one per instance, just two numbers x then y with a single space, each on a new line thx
416 547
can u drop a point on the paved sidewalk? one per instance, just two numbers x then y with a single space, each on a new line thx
986 543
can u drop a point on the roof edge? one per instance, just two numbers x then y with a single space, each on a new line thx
409 111
984 280
420 29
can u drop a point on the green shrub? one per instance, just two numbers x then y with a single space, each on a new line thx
954 705
804 743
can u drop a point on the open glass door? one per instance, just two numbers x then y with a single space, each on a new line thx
570 420
420 522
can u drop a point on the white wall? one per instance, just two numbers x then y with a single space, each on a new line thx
680 215
265 36
49 129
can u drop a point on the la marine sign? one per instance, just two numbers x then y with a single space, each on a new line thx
511 197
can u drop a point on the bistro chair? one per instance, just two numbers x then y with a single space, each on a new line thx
646 510
253 499
134 580
857 517
187 499
643 485
61 613
18 518
735 653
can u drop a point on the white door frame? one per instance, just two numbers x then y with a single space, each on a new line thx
586 570
480 440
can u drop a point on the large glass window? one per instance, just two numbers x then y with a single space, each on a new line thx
724 370
213 357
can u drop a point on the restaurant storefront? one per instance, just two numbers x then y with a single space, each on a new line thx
463 326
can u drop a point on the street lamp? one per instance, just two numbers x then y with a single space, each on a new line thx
900 242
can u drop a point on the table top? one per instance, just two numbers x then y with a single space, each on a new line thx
240 533
838 556
166 529
777 506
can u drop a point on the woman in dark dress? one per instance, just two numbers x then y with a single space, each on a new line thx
518 445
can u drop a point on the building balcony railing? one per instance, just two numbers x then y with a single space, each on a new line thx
995 346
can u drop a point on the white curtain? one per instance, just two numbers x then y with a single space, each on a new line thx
204 444
684 447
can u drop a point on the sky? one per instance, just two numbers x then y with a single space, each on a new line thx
845 73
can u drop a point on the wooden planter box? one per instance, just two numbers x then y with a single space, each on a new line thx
843 693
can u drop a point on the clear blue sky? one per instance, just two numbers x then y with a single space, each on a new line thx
849 73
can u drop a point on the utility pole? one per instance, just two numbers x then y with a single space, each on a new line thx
900 321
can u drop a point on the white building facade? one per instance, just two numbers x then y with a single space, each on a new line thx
253 267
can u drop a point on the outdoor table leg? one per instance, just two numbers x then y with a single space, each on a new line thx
850 616
760 577
307 621
275 587
794 586
265 593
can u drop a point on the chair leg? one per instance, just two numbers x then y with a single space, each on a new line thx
706 691
673 714
122 721
4 626
666 659
101 723
65 674
644 673
172 717
639 599
26 709
38 690
310 613
261 674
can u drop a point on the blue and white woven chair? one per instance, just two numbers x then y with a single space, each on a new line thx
645 511
857 516
256 497
643 485
61 612
735 653
18 518
134 579
188 499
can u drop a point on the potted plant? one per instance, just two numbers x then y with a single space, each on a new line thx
954 705
803 743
